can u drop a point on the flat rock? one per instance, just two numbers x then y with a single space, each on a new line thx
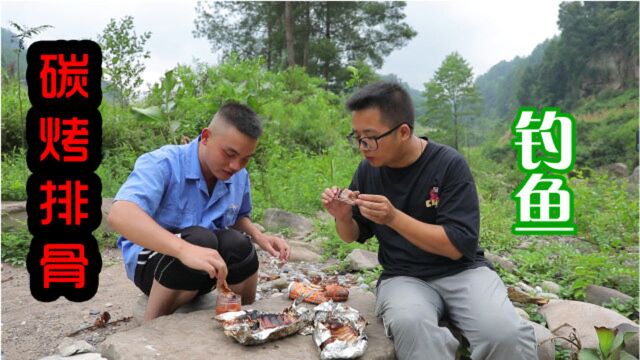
583 317
362 259
599 295
204 302
197 335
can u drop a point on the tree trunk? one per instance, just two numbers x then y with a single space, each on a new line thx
327 35
288 24
455 125
307 34
269 26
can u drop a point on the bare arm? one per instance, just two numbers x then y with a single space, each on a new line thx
428 237
128 219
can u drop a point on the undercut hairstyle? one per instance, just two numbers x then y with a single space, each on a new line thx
242 118
390 98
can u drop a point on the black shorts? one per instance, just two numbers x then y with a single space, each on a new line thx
235 247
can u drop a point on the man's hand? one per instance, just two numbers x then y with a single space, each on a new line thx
201 258
274 245
339 209
376 208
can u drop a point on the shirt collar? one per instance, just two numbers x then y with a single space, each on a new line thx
193 170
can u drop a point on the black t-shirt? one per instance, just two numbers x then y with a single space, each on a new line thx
437 188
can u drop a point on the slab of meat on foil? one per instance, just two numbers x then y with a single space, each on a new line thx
338 331
252 327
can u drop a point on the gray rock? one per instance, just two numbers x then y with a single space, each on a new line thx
362 259
279 283
523 314
277 220
546 347
70 346
259 227
14 215
309 245
526 288
499 260
616 169
204 302
583 317
550 286
166 337
547 295
302 254
599 295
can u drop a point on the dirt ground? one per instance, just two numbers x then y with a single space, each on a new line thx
33 329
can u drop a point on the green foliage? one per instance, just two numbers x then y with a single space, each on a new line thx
13 123
14 175
15 246
296 110
598 196
326 35
628 309
123 55
610 345
293 179
596 50
451 98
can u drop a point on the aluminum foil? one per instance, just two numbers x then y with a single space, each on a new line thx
331 314
245 327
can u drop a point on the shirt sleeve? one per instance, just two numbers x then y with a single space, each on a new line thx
246 207
458 208
364 224
147 183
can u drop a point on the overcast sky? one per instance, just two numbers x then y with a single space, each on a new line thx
483 32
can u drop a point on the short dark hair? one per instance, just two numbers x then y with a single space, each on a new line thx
390 98
242 118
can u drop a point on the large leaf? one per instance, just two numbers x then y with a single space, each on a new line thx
152 112
589 354
605 339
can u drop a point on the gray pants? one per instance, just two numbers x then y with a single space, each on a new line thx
474 300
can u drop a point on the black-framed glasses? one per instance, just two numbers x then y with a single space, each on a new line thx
370 143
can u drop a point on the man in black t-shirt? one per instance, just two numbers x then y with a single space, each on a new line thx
419 199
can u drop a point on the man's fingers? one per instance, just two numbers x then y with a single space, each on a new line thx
372 198
269 248
371 205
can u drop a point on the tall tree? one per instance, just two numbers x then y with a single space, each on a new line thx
123 55
24 32
323 37
451 96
